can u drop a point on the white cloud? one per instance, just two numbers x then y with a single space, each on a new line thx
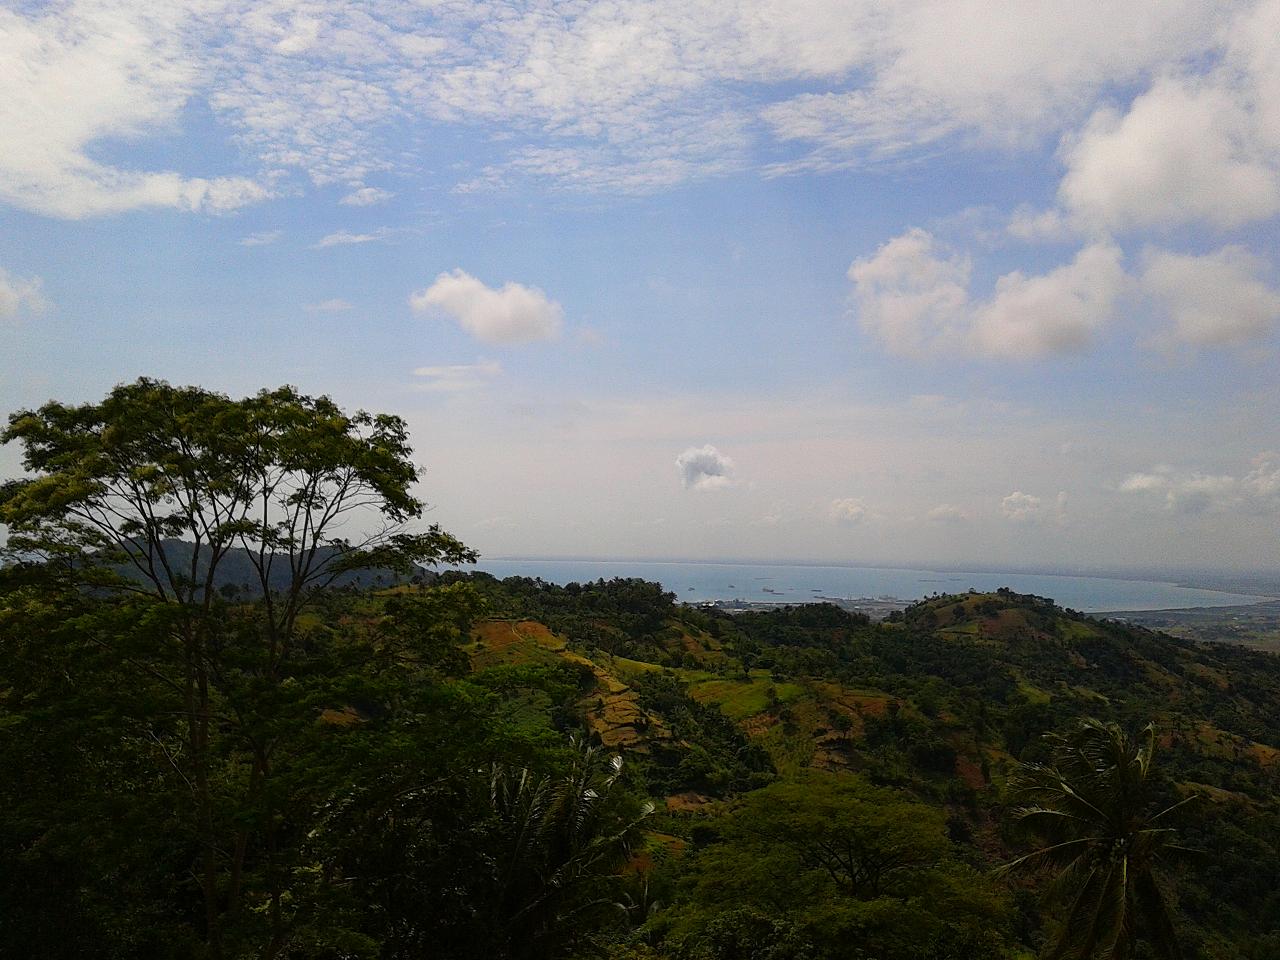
848 510
704 468
262 238
1031 225
342 238
1058 312
86 72
915 300
946 513
1185 151
1192 492
455 378
693 149
1216 299
1021 507
983 72
314 86
852 128
510 314
19 295
366 197
910 299
330 306
1251 51
633 95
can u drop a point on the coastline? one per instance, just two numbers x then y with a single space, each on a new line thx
875 590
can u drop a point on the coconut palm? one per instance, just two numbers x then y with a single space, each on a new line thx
1091 805
565 838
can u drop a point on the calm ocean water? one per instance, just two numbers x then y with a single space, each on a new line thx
788 583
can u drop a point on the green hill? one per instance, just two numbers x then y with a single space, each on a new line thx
824 787
940 703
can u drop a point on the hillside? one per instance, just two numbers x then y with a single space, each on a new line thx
237 573
939 702
463 768
986 673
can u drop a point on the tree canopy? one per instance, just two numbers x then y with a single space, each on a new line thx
165 481
828 865
1106 838
140 499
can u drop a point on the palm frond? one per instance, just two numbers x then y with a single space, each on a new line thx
1090 804
1156 914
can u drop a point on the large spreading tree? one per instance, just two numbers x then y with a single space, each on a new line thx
175 537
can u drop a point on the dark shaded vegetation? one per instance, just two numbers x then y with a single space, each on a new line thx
461 767
1105 841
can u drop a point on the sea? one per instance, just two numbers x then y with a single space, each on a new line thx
698 582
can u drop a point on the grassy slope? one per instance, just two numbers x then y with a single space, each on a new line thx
1060 663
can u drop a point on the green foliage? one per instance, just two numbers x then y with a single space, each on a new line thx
743 933
211 699
617 616
720 759
515 863
563 840
275 474
1106 839
827 865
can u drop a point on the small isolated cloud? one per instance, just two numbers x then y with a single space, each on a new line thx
20 295
262 238
1191 492
343 238
916 301
1218 299
366 197
946 513
456 378
1021 507
329 306
510 314
848 510
704 468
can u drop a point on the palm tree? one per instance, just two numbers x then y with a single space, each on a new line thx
1091 805
564 839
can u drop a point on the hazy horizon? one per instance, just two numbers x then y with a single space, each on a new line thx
922 564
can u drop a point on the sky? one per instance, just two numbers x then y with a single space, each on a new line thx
919 281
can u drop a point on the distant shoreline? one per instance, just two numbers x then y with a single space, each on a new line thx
1264 584
742 585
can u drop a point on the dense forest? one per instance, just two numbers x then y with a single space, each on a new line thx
229 728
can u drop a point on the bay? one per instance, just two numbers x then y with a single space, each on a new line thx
697 582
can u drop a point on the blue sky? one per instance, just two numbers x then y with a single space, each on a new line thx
921 281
